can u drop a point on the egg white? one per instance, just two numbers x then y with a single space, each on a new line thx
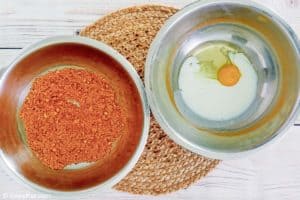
210 99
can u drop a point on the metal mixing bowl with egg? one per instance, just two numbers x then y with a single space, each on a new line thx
272 49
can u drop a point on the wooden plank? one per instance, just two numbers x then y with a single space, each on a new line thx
24 22
6 56
229 180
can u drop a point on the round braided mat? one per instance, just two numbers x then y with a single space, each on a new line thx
164 166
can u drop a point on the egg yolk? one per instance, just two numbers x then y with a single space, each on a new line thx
229 75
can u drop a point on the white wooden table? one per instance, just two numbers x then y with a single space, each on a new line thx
271 174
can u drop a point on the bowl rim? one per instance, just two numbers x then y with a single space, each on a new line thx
5 165
163 122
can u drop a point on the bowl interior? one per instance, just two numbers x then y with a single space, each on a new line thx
14 88
270 46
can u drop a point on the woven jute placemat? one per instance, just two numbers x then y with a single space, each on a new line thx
164 166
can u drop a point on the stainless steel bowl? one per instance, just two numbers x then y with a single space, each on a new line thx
272 48
17 159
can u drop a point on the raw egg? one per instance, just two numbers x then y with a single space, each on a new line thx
229 75
218 92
